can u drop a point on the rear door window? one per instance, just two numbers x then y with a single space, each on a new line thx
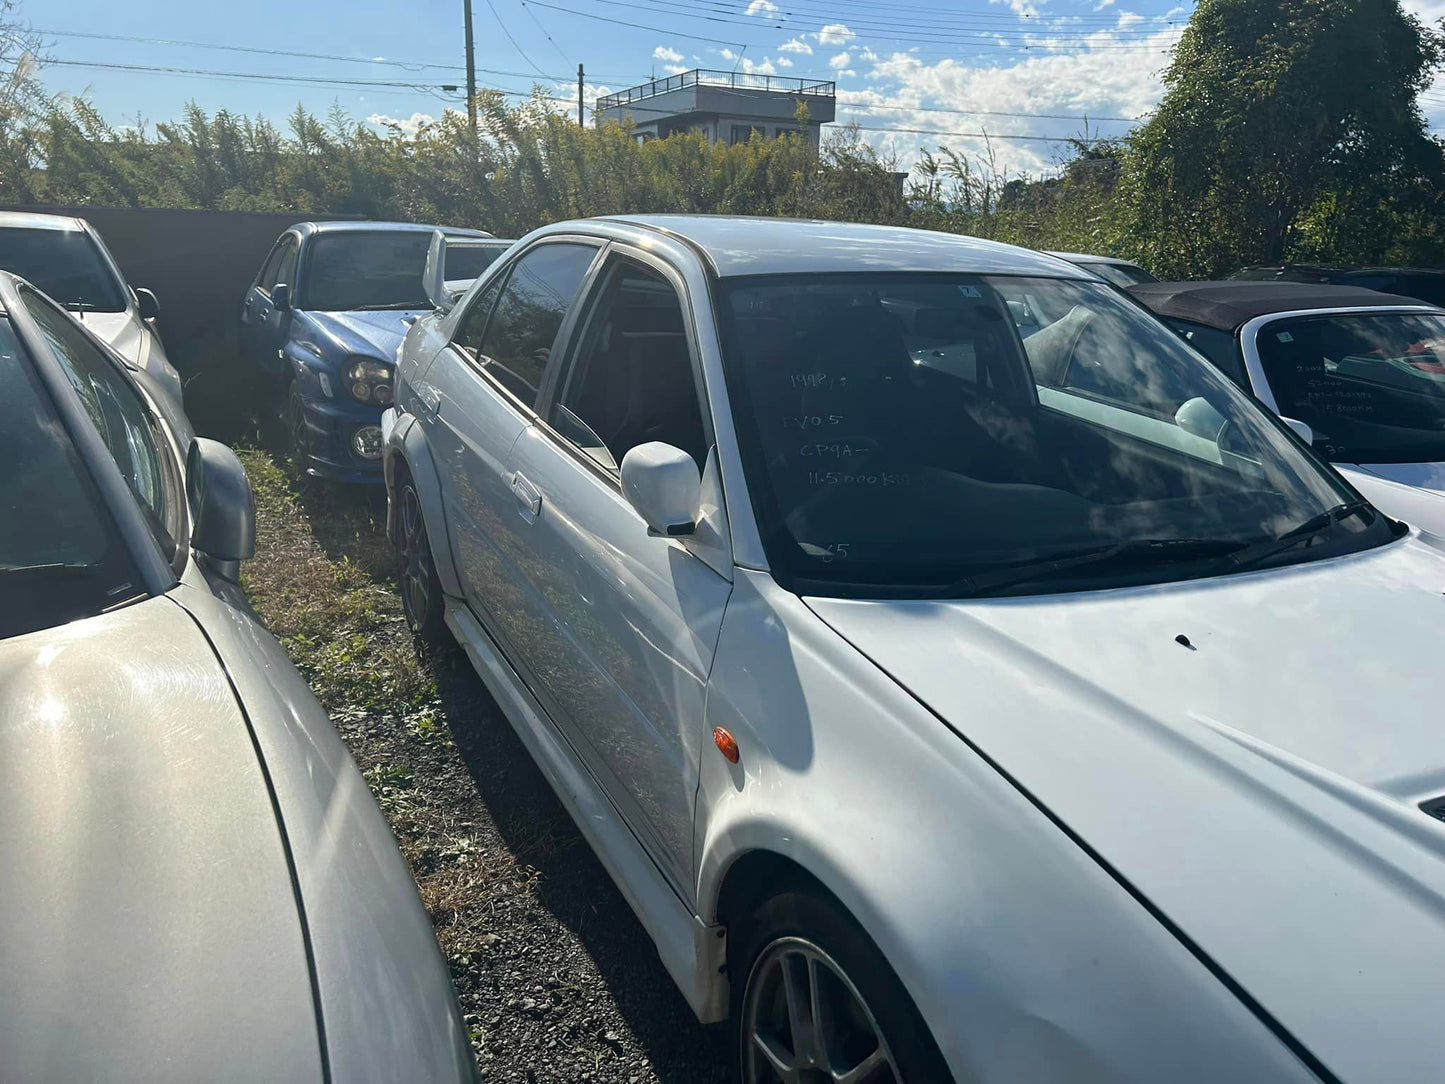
1218 346
522 331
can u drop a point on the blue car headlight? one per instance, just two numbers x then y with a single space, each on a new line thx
370 381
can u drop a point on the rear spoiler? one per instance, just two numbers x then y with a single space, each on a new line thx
441 291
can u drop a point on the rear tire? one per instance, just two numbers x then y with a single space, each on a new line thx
421 589
813 999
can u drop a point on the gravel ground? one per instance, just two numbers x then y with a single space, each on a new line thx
556 979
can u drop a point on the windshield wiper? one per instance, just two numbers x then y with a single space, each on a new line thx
55 568
392 305
1142 550
1253 555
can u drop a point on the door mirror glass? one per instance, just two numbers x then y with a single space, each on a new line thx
147 304
281 297
222 509
1301 429
663 486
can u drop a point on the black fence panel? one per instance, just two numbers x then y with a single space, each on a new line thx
199 265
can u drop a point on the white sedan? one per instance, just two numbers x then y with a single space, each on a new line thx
66 258
949 704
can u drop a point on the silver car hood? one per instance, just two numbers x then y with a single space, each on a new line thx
150 925
120 330
1259 786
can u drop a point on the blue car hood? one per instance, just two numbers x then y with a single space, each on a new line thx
374 332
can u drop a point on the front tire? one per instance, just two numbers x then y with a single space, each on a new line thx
298 436
815 1000
421 589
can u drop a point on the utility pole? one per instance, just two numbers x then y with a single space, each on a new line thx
580 122
471 70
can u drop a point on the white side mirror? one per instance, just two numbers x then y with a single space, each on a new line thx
1301 429
663 485
1199 417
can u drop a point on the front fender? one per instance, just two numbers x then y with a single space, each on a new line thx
405 444
1027 959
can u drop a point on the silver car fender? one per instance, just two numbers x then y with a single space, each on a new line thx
1026 958
405 443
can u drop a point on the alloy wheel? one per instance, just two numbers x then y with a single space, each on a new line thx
804 1022
417 573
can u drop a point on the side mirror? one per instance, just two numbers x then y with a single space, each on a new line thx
1199 417
1301 429
281 297
663 485
223 512
146 302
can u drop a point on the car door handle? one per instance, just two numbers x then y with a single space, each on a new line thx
528 496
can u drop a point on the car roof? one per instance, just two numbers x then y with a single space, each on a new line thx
736 245
1227 305
30 220
367 226
1084 257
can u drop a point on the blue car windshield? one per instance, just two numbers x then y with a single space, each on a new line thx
61 556
947 434
356 269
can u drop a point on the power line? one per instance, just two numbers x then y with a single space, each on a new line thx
533 16
265 76
872 6
952 22
414 65
639 26
520 51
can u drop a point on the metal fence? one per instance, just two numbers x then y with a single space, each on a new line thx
782 84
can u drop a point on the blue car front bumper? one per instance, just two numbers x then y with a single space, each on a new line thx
331 430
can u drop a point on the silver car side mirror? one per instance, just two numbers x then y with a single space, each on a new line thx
1199 417
663 485
223 512
1301 429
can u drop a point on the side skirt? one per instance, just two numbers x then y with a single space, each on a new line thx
692 951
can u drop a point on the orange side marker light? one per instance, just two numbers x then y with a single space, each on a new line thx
726 743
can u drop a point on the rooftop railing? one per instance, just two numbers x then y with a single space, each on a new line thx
700 77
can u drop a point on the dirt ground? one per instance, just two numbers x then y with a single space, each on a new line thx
556 979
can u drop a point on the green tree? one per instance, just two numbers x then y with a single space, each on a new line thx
1270 109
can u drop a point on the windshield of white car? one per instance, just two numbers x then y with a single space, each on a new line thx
64 264
61 556
1372 387
916 435
355 269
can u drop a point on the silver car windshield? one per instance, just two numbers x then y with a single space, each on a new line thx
64 264
1371 387
61 556
957 434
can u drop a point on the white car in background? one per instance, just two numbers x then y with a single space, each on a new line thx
1111 269
66 258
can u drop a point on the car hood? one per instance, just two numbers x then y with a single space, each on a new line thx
1429 476
152 931
1259 785
373 332
121 330
1413 492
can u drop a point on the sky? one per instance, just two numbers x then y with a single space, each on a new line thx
913 74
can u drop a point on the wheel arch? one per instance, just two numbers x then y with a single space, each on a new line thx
407 453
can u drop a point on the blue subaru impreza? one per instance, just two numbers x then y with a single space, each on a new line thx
322 322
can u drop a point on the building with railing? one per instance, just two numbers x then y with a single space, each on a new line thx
724 106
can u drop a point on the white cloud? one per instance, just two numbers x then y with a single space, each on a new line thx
782 62
868 54
764 67
1129 18
835 34
675 69
762 7
842 60
728 54
797 45
406 125
1019 7
662 52
1102 4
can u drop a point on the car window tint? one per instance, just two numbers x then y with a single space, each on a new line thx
1218 346
519 337
286 272
1428 288
632 381
113 404
272 265
474 320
